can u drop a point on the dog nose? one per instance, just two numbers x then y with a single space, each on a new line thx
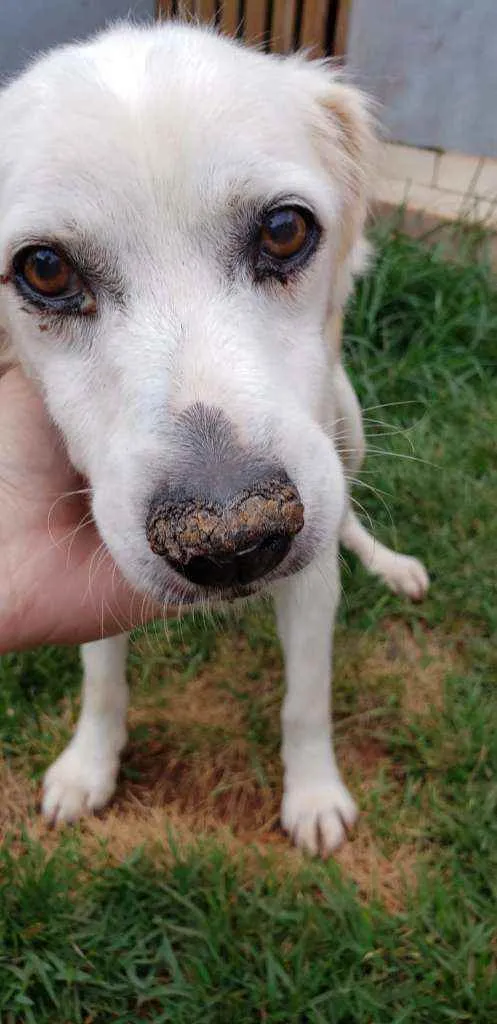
228 569
229 543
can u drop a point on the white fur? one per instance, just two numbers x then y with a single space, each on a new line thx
83 778
146 141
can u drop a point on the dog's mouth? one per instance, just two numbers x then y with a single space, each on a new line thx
212 596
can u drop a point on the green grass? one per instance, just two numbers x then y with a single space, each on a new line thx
207 937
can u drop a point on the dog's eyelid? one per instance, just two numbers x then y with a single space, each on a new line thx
290 199
253 209
53 244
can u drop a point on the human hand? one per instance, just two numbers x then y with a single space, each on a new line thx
58 582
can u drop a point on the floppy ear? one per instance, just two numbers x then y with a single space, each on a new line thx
343 132
351 114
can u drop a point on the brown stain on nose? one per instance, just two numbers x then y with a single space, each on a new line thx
181 530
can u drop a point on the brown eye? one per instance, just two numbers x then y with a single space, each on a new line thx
284 233
48 280
287 238
49 274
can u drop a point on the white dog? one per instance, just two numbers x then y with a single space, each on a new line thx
180 222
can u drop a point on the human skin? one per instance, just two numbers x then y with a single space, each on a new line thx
58 582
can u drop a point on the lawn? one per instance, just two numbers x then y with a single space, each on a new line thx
184 902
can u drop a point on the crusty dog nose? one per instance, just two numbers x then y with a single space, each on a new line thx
227 543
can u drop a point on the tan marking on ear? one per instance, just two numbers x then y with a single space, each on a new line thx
346 141
349 110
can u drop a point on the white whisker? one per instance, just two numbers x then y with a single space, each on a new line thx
87 520
62 497
364 511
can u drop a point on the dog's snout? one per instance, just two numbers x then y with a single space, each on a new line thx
227 543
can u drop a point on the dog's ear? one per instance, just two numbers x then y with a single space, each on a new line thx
347 108
343 131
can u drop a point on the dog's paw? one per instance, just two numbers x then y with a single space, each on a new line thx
77 784
318 817
404 575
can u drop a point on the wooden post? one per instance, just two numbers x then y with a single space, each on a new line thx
255 21
313 28
283 25
206 10
230 21
342 28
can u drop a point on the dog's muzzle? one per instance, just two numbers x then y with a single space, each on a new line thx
229 543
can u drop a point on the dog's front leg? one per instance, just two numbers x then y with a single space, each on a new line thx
83 778
317 808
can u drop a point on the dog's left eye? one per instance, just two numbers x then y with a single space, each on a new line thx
284 233
46 278
288 235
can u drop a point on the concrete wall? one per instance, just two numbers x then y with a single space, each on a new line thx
433 66
27 26
431 63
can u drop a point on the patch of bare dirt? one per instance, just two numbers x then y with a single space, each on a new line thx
221 797
184 803
205 701
212 782
209 699
377 875
18 800
19 811
421 661
196 773
362 757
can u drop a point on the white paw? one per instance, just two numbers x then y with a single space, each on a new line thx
317 817
404 575
78 783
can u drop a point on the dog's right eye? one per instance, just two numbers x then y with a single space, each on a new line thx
47 273
45 277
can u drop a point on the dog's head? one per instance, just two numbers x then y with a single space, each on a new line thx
178 218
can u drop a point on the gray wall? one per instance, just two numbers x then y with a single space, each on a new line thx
433 66
431 63
27 26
